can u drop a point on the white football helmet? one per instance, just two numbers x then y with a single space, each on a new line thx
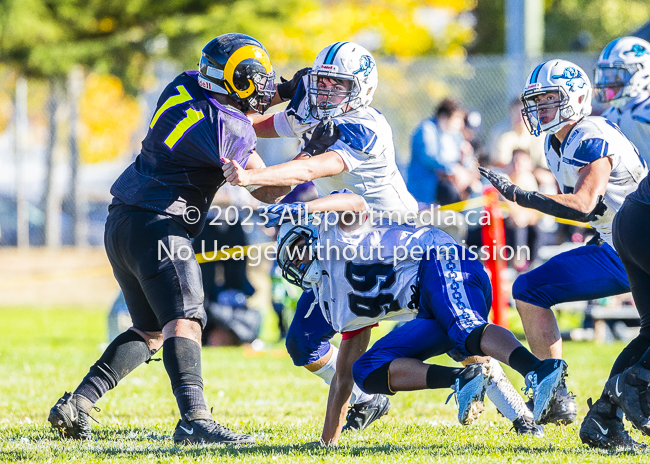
344 63
571 84
307 273
623 71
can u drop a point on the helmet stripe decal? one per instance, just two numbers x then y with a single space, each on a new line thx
239 55
333 51
533 79
608 49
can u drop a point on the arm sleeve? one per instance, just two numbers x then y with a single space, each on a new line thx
547 205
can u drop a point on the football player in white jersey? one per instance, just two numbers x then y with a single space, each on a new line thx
621 79
333 96
364 273
596 167
339 89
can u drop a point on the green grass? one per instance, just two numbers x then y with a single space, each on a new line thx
46 352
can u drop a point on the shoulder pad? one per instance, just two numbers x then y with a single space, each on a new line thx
358 136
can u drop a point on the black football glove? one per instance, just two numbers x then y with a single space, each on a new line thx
324 136
501 183
287 89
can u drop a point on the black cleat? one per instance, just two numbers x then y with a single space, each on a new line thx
361 415
629 391
603 428
70 416
562 411
526 425
199 427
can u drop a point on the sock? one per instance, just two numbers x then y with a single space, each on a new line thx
182 359
329 369
523 361
122 356
504 396
442 376
359 396
327 374
473 341
635 351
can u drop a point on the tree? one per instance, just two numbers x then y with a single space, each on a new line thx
568 24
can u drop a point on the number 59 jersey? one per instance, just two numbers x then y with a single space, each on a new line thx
369 275
179 165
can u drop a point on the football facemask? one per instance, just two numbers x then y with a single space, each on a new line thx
331 94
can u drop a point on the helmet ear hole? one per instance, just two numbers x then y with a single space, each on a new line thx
567 112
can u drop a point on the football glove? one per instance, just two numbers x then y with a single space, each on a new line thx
287 89
325 135
286 212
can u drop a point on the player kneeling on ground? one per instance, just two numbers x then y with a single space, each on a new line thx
362 273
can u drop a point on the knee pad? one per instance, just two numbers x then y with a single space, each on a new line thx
293 348
376 381
302 352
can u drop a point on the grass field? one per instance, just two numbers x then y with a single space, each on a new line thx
46 352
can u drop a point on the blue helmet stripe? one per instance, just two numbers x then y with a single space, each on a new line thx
533 79
333 51
608 49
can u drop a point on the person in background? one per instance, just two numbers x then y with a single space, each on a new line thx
436 173
521 224
506 138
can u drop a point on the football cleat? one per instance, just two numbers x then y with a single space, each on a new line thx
470 389
525 425
544 383
562 411
361 415
199 427
603 428
629 391
70 416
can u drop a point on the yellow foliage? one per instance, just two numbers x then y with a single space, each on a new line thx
395 25
109 119
6 110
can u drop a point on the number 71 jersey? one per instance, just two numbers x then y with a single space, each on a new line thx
179 165
371 277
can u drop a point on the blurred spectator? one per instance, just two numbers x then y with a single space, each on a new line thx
436 172
521 224
509 136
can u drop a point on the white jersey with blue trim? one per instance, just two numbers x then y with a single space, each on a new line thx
634 121
592 138
373 277
366 147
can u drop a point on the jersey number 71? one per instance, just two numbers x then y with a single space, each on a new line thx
191 119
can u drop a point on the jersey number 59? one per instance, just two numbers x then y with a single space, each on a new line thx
363 278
